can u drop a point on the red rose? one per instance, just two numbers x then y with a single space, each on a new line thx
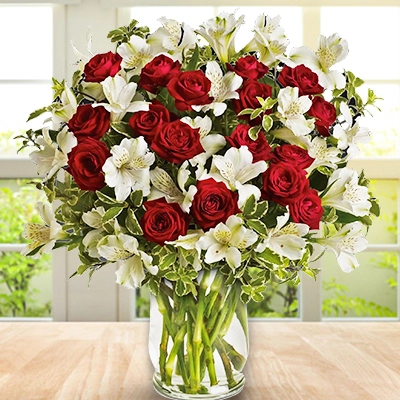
248 94
85 162
260 148
284 183
89 121
292 154
163 221
177 142
190 88
308 209
101 66
158 72
324 113
301 77
248 68
149 123
213 203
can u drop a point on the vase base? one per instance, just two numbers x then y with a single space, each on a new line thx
217 392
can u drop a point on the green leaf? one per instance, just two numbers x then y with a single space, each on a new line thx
346 218
132 224
244 297
167 261
257 297
256 113
111 214
171 276
105 199
262 208
253 132
246 111
250 206
375 209
36 113
258 226
154 286
137 198
267 123
269 256
123 128
192 64
82 268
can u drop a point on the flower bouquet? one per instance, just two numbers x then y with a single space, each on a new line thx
203 171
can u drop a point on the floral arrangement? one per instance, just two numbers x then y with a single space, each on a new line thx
173 157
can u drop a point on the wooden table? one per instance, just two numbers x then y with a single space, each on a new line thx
289 360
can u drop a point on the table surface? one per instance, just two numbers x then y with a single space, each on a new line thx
288 360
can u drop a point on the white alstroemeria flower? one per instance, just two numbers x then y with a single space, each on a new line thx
53 156
42 235
225 242
235 168
350 136
129 167
322 154
269 40
124 247
63 111
345 194
94 217
288 136
286 241
330 51
189 243
173 38
211 143
223 87
164 186
135 54
291 108
122 97
345 243
220 33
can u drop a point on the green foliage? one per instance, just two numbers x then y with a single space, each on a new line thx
17 273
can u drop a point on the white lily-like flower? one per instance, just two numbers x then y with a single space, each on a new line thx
345 194
189 243
223 87
173 37
93 219
122 97
128 169
288 136
291 108
322 154
124 247
226 240
269 40
330 51
350 136
235 168
286 241
164 186
220 33
43 236
211 143
345 243
53 156
63 111
135 54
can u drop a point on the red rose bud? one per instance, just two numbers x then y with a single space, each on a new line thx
149 123
163 221
158 72
177 142
85 162
190 88
324 113
89 121
301 77
248 68
308 209
284 183
101 66
248 94
213 203
291 154
260 148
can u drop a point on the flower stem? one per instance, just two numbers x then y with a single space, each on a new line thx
169 367
225 362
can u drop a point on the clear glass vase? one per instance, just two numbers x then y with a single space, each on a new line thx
199 344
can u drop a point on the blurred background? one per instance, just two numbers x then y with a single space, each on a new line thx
35 44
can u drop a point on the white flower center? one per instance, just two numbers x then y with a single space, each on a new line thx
352 193
349 244
290 229
137 59
293 110
223 237
38 233
120 254
326 58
